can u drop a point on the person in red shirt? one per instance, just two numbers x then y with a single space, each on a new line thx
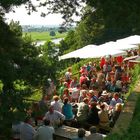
83 79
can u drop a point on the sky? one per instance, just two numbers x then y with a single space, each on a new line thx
33 19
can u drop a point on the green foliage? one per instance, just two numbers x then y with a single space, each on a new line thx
21 71
12 108
62 30
19 85
52 33
1 86
7 4
16 28
69 43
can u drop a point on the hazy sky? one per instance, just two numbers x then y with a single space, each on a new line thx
33 19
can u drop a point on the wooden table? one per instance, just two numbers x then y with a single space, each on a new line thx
66 133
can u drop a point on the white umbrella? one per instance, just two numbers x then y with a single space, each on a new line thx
78 53
123 46
135 39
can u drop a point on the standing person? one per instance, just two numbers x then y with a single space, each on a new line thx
74 82
93 134
83 79
27 132
49 88
75 93
61 89
45 132
68 75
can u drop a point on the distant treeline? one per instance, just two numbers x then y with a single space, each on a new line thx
29 28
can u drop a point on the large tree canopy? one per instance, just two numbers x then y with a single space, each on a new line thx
121 18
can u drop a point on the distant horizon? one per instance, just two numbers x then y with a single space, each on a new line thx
41 25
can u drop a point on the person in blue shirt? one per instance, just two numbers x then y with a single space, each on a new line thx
67 109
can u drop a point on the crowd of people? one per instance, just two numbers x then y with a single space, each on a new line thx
92 102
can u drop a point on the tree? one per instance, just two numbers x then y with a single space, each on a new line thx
21 71
62 29
52 33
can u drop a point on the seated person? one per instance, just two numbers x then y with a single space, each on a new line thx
93 117
115 114
81 134
56 118
16 130
27 132
115 100
93 134
94 97
67 109
83 110
45 132
104 118
56 104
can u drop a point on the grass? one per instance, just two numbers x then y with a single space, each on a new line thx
44 36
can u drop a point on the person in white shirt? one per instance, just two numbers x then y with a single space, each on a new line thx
56 118
45 132
56 104
27 132
68 74
115 100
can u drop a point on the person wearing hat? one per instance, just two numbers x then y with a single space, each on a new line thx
104 99
94 98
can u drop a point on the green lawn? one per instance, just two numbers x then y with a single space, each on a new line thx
44 36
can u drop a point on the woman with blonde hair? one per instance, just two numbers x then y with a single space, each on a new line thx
116 114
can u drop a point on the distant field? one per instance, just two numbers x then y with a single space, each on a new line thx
44 36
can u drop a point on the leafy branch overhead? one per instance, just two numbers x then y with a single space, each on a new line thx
65 7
